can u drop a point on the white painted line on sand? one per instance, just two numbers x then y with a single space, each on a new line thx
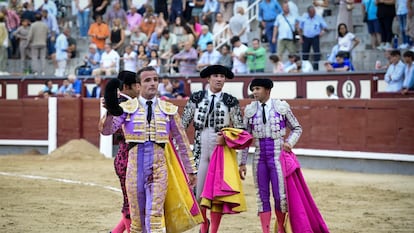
61 180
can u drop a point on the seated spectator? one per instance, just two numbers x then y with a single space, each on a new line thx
130 59
408 84
225 58
218 27
210 57
116 12
154 40
154 60
48 89
160 22
187 59
178 89
298 66
133 20
168 39
66 88
165 87
142 57
76 85
138 38
347 41
277 64
238 55
340 65
148 24
330 92
92 59
178 29
109 64
256 57
97 90
204 38
394 76
188 36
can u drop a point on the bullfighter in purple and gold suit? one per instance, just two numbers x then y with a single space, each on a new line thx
150 126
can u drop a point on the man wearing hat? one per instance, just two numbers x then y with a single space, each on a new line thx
210 110
267 119
129 91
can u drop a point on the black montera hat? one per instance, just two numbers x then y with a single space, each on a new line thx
261 82
127 77
216 69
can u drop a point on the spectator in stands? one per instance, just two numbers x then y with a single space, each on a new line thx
204 38
50 7
62 52
321 6
148 24
178 89
225 59
99 8
93 58
176 9
97 90
256 57
28 12
187 59
410 21
4 43
345 14
210 9
48 89
238 55
394 76
98 33
76 85
283 32
133 20
268 10
51 22
340 65
142 57
210 57
22 34
116 12
155 40
298 66
218 27
117 36
370 7
66 88
239 25
226 8
293 9
109 64
197 9
130 59
330 92
178 30
402 12
154 60
38 39
160 22
16 6
138 38
83 7
408 84
311 28
277 64
12 22
168 39
188 36
385 14
165 87
347 41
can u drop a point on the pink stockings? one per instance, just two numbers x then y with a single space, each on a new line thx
124 224
215 221
266 217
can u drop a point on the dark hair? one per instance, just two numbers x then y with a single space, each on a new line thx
147 68
330 89
256 39
165 31
395 53
234 39
225 45
339 26
275 58
341 54
47 81
210 42
409 54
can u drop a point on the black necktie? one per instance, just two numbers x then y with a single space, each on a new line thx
263 113
149 111
211 105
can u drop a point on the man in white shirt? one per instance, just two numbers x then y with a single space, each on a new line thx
330 92
209 57
284 27
109 62
238 55
62 54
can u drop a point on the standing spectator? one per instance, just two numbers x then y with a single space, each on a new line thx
209 12
402 12
410 20
320 7
51 22
347 41
130 59
225 58
48 89
188 36
148 24
330 92
28 12
176 9
197 9
116 12
385 15
345 14
117 36
99 8
256 57
133 20
408 84
239 56
204 38
370 7
311 28
62 55
268 10
97 91
38 40
394 76
210 57
50 7
226 8
285 26
98 33
22 34
239 25
187 59
179 31
12 22
218 27
4 43
188 9
83 7
109 64
93 58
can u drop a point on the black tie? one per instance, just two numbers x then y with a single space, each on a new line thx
149 111
263 113
211 105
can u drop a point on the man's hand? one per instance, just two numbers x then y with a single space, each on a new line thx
287 147
220 139
192 180
242 171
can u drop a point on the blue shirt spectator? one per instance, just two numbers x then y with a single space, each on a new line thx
268 10
394 76
204 38
312 26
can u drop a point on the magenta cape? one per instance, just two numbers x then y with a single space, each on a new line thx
223 191
304 215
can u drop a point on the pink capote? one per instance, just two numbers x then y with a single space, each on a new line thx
223 191
304 215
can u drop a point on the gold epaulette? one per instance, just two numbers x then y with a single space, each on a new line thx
130 106
167 107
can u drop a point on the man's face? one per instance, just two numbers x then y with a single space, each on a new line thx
216 82
132 91
210 47
408 60
255 44
149 84
261 94
107 48
339 60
